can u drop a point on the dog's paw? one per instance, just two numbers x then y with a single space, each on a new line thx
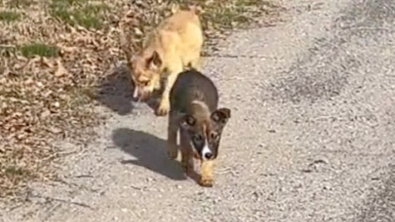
163 108
172 153
161 112
206 182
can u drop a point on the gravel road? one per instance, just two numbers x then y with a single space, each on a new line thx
311 136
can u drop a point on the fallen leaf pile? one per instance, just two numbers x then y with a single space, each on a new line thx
50 98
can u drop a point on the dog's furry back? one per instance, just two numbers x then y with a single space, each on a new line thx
182 32
191 85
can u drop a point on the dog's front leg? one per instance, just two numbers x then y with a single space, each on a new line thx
207 179
172 129
187 153
164 105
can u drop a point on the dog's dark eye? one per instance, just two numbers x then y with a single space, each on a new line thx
144 83
214 135
198 138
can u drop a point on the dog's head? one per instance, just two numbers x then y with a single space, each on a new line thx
205 133
146 71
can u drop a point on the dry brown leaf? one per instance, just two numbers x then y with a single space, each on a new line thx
61 70
55 130
45 114
138 31
46 62
29 82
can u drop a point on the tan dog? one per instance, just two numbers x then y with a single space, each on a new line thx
194 113
174 45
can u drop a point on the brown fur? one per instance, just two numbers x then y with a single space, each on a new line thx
195 115
174 45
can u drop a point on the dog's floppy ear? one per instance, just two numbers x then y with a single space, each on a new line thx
221 115
187 121
154 61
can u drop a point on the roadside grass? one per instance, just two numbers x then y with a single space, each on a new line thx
9 16
76 12
52 59
38 49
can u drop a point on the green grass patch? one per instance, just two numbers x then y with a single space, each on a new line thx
67 2
16 172
9 16
225 17
39 49
78 12
247 3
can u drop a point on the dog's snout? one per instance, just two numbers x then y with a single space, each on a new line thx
141 94
208 155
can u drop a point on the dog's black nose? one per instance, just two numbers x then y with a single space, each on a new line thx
208 155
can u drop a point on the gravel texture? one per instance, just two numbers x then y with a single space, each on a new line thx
310 139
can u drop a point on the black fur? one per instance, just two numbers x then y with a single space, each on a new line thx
192 85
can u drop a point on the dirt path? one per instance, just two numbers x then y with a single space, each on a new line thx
310 139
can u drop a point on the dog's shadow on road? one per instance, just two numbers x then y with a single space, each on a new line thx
115 91
149 151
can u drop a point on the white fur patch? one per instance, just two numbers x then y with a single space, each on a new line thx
206 149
